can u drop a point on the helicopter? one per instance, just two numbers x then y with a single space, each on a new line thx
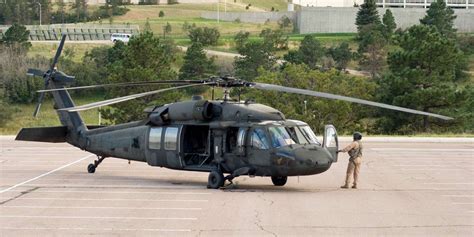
220 137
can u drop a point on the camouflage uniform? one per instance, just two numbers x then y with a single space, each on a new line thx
355 153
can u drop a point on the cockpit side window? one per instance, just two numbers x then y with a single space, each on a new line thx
259 139
309 134
280 136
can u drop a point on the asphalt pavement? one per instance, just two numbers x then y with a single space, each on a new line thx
408 187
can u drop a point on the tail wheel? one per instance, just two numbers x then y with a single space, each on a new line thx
215 180
91 168
279 180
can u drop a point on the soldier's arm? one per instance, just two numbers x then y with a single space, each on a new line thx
349 147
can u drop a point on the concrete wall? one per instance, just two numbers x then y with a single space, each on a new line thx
252 17
342 20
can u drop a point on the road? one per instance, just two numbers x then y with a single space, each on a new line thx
408 186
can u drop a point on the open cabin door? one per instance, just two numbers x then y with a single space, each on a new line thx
330 141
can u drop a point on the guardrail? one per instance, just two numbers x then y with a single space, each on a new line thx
75 32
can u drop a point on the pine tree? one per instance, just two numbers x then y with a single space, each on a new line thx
424 75
196 65
17 35
367 15
441 17
389 24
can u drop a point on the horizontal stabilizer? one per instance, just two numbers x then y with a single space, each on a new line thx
44 134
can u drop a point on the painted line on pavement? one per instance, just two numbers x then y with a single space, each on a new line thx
420 149
114 199
471 196
123 208
47 173
451 183
120 192
106 217
115 186
94 229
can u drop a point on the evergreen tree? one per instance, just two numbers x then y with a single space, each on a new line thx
147 27
17 35
367 15
389 24
440 16
424 75
144 58
254 56
196 65
166 29
310 52
341 54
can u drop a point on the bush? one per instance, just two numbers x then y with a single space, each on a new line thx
204 35
161 14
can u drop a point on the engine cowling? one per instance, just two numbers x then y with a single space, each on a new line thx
202 110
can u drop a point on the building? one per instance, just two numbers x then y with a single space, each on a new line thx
384 3
327 3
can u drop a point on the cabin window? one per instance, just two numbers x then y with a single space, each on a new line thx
259 139
154 139
171 138
241 140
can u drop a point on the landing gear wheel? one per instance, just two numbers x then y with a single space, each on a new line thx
91 168
279 180
215 180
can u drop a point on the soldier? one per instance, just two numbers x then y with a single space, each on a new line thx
355 153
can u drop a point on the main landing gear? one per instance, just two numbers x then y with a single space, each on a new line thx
279 180
216 179
91 167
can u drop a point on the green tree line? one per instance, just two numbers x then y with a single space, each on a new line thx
422 67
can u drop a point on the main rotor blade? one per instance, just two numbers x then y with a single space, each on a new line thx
58 53
124 98
143 83
271 87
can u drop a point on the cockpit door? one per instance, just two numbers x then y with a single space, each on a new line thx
330 141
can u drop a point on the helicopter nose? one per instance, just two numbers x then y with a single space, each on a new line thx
312 159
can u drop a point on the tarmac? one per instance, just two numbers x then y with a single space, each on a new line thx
408 187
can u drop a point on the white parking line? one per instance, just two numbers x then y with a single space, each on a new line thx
47 173
120 192
123 208
114 199
106 217
471 196
94 229
420 149
452 183
117 186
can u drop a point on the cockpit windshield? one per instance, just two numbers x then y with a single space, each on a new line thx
309 134
284 136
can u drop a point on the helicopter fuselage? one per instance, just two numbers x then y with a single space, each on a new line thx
233 137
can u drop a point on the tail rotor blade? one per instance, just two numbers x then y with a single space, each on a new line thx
34 72
38 106
58 53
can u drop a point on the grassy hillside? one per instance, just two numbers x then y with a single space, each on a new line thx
23 116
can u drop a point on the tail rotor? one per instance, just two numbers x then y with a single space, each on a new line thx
48 75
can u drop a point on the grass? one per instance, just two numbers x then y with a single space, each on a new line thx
48 50
23 115
178 14
280 5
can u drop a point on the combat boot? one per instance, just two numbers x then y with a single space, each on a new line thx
354 186
345 186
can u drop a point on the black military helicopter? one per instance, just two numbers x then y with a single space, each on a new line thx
216 136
